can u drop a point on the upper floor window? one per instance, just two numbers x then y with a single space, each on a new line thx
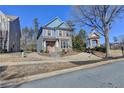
67 33
64 33
60 33
48 32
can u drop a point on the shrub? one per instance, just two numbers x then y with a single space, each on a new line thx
41 51
101 49
3 50
46 51
21 50
78 44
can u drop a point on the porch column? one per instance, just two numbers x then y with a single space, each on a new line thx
57 43
44 45
91 43
98 43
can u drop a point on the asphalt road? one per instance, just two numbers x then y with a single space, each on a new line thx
111 75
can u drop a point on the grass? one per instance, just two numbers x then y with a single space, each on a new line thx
11 72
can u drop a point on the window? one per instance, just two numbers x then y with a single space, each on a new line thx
64 44
61 44
49 32
60 33
67 33
63 33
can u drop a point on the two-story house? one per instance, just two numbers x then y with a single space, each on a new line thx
54 36
9 32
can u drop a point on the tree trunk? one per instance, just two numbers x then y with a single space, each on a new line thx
107 45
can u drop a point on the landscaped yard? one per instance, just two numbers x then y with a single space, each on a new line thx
11 72
114 53
17 57
14 71
33 56
72 60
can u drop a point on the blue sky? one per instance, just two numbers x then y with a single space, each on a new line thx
47 13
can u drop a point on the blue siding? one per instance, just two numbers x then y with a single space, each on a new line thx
40 44
56 23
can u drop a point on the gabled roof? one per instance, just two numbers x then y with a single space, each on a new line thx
1 12
57 23
64 25
10 17
94 33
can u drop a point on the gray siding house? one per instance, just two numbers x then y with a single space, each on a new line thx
9 32
55 36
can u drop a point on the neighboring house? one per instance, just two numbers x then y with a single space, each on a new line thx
9 32
115 45
93 39
55 36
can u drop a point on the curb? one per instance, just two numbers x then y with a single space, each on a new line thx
18 81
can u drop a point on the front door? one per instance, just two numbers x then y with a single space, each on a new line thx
50 46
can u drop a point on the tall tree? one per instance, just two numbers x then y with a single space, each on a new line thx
82 35
72 25
79 41
31 34
36 26
24 38
100 17
27 39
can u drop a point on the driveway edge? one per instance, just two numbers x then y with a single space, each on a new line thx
18 81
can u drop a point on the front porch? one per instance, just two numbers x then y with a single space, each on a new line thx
50 45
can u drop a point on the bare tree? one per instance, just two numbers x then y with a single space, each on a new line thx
121 40
72 25
99 17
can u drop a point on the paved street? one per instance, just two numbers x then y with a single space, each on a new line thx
111 75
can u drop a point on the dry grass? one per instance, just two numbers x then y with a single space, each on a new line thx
114 53
11 72
17 57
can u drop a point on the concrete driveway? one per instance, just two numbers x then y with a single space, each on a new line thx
111 75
